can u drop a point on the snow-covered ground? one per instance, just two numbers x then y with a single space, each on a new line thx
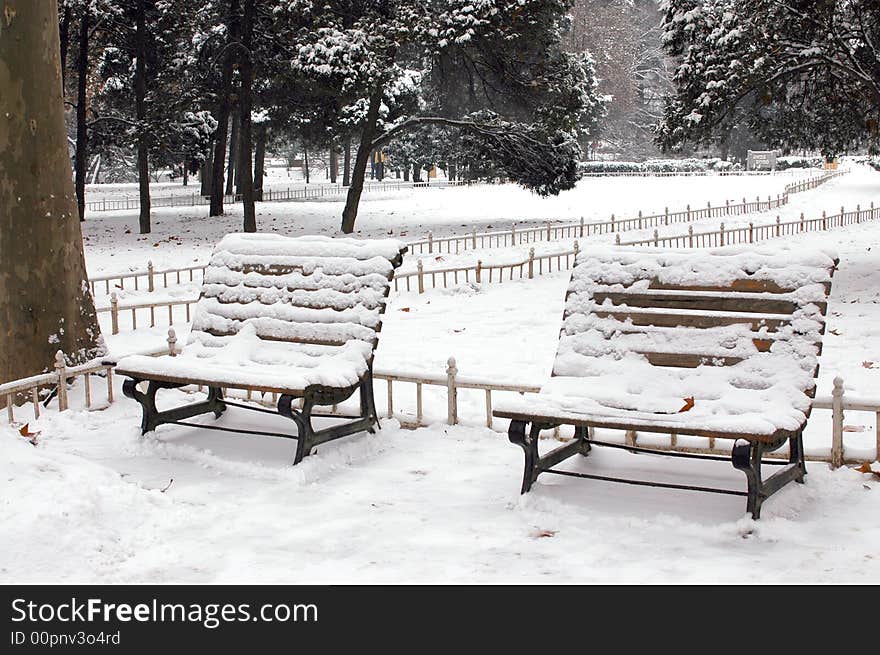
184 234
96 502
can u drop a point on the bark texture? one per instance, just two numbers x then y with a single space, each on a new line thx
352 200
45 303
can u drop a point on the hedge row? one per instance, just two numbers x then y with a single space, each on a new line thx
659 166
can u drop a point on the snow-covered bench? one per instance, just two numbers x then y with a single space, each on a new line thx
297 317
720 344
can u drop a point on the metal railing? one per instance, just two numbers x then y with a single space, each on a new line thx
288 194
452 383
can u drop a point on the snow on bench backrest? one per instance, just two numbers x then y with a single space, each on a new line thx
762 309
309 290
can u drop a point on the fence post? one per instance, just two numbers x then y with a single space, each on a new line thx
61 372
690 236
872 209
656 238
802 222
451 392
617 239
837 423
612 222
172 340
824 220
548 230
474 238
582 227
430 242
114 313
513 235
420 271
689 213
769 203
721 233
479 269
577 249
727 207
666 216
531 262
709 209
858 213
777 224
751 233
150 286
640 219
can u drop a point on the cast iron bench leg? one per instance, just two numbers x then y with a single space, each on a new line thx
747 458
517 435
153 418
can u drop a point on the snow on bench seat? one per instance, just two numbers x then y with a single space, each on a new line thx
737 330
280 314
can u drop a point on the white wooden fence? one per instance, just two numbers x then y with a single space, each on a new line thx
314 192
422 280
754 233
456 243
452 383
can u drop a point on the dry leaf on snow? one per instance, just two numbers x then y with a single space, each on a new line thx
688 405
866 468
544 533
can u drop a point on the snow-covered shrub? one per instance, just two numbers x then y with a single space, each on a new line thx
659 166
790 161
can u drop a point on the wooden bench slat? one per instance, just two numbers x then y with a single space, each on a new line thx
680 319
697 301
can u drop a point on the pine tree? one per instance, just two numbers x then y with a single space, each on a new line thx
456 58
802 75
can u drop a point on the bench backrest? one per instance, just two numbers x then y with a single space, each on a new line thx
307 290
761 310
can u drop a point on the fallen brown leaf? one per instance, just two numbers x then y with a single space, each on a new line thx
866 468
404 309
854 428
868 364
544 533
688 405
27 434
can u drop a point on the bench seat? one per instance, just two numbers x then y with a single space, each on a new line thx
718 344
297 317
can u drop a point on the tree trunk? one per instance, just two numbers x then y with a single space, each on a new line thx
45 303
140 93
64 29
206 170
417 172
245 165
451 171
233 153
260 161
406 172
346 163
306 163
349 213
82 143
185 173
223 111
334 162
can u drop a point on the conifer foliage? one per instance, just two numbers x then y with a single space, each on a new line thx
803 74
